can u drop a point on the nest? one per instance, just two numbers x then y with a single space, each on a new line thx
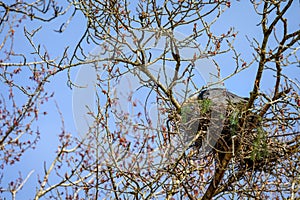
241 133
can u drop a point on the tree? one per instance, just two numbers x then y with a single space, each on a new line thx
132 141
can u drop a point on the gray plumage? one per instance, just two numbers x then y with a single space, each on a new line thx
219 95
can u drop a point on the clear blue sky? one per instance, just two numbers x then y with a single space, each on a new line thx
240 15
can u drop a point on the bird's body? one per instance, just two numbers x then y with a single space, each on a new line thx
219 95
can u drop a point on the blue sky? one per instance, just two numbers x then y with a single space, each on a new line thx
240 15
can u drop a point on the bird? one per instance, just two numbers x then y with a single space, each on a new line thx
219 95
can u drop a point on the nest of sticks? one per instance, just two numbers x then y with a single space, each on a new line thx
241 133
